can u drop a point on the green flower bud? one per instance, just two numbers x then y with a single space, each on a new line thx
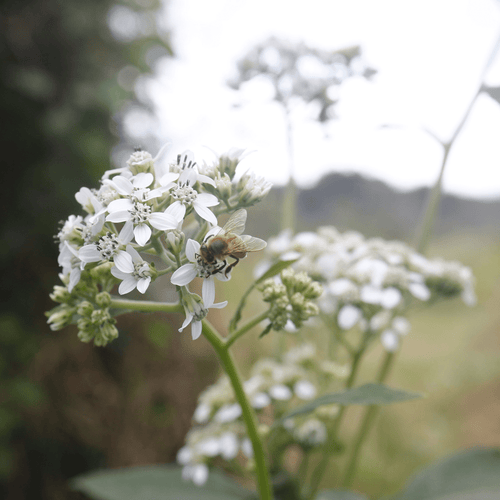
103 300
102 272
85 308
175 241
60 294
60 316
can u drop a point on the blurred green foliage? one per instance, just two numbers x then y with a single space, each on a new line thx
65 79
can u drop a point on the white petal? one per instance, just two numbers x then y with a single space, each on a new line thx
143 283
192 248
122 185
208 292
163 221
123 261
196 329
184 275
127 285
219 305
119 274
120 205
205 213
74 278
177 210
206 180
142 180
119 216
127 232
207 199
168 178
89 253
142 233
134 254
188 319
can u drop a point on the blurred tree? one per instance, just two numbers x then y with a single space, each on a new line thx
68 78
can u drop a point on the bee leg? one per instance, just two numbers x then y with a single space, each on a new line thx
230 267
220 268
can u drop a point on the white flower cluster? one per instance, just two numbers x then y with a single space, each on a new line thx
139 211
273 389
370 283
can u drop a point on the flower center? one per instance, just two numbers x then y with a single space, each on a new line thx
107 246
185 194
140 213
141 270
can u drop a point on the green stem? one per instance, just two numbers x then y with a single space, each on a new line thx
424 231
226 358
244 329
330 445
366 424
290 194
146 306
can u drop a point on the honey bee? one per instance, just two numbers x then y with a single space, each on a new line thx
229 242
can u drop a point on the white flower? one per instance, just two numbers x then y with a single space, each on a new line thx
280 392
304 389
196 268
71 263
107 246
348 316
184 194
136 187
133 270
197 473
228 413
141 216
196 325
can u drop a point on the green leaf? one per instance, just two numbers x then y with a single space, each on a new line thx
156 482
368 394
275 269
340 495
470 475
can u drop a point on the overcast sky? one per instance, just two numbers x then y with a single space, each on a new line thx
429 56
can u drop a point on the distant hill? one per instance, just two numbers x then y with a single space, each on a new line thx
375 209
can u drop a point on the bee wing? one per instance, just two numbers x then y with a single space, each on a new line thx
236 223
253 244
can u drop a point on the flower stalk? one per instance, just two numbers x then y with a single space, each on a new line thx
227 360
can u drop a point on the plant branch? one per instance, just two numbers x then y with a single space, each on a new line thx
226 358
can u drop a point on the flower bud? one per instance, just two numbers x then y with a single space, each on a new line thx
60 316
103 300
85 308
60 294
141 161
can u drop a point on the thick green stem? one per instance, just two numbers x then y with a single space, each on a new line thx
244 329
221 347
146 306
366 424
